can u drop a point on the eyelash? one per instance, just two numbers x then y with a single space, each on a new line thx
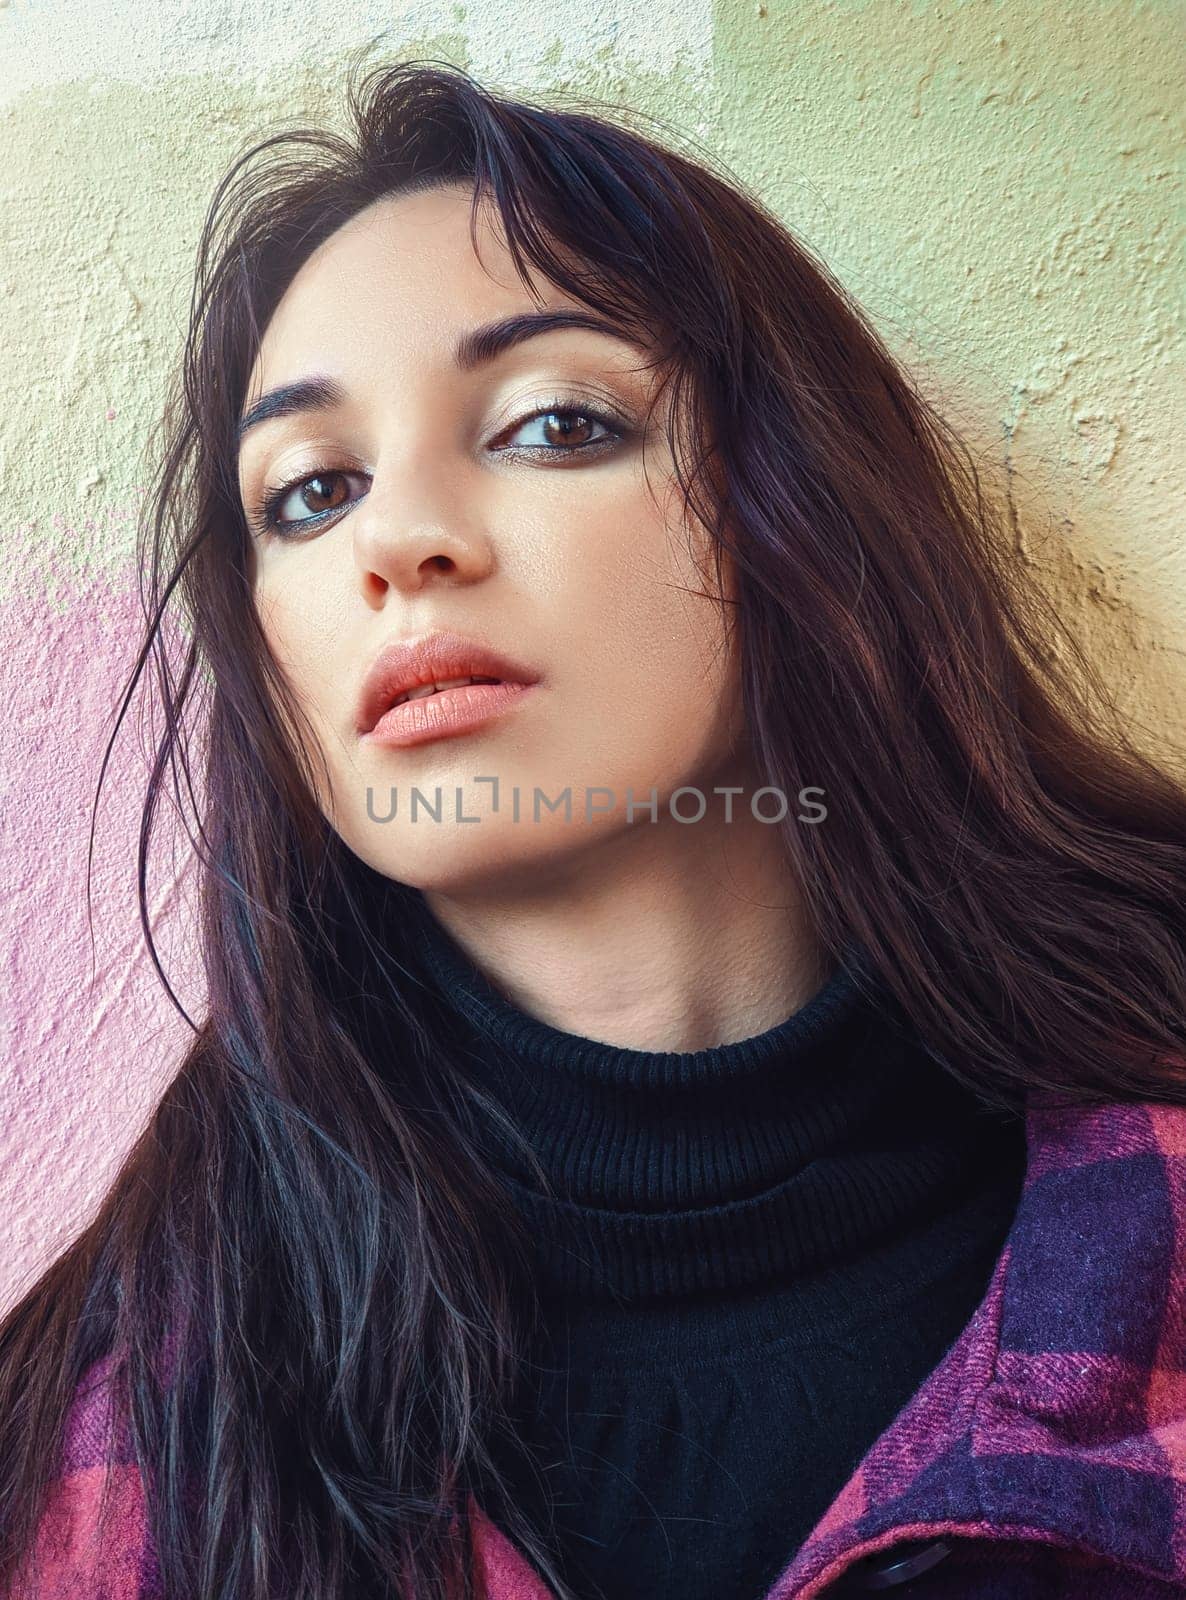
265 520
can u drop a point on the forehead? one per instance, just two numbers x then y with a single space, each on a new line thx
401 276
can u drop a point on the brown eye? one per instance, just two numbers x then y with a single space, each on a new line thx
568 424
565 429
316 494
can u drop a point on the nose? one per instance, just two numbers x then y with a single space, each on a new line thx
410 531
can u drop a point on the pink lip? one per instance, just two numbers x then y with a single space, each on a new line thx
445 714
403 665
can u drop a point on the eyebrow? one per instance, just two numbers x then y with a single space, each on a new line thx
475 348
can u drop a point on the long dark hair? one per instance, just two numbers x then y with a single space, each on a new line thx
312 1291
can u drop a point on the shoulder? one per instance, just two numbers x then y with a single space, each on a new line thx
1099 1245
92 1542
1082 1427
1096 1263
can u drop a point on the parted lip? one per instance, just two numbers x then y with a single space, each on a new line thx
410 663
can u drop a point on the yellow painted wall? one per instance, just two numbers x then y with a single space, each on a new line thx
998 181
1000 184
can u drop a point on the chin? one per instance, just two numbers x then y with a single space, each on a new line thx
493 856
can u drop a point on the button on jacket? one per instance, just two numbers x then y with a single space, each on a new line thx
1044 1458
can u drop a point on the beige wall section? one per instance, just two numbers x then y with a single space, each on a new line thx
1000 185
997 181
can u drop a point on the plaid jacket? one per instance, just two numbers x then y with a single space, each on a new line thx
1043 1459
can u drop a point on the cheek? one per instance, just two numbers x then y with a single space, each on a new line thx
302 623
647 649
302 638
290 637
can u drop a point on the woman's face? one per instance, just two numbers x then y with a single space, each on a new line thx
455 498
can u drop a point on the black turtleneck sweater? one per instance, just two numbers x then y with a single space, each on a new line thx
750 1258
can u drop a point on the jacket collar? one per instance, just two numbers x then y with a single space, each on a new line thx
1059 1414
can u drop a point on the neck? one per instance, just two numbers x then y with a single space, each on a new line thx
673 937
648 1174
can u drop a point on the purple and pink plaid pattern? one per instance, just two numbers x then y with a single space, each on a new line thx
1044 1457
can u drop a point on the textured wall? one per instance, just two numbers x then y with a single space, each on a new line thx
998 183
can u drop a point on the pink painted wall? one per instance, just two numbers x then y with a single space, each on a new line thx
87 1047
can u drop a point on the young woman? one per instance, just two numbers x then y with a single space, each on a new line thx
695 1108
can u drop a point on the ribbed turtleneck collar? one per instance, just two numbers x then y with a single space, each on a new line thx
673 1173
